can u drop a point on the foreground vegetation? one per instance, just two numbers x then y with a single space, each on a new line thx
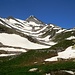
20 65
41 69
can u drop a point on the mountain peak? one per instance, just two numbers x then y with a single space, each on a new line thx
34 19
31 18
10 17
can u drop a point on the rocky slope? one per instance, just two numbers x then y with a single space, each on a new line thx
18 36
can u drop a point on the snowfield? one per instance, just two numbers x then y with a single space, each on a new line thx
69 53
18 41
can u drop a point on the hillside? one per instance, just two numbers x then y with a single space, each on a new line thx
31 47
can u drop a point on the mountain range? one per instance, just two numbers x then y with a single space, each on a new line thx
36 47
22 35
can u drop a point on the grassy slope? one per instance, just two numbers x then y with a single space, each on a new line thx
62 45
30 57
42 69
21 64
62 36
62 42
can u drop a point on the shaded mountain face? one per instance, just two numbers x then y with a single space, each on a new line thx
18 36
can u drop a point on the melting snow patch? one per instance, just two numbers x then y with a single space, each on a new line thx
61 31
35 62
52 59
70 38
48 74
4 55
69 53
51 25
13 49
70 72
1 22
52 43
33 69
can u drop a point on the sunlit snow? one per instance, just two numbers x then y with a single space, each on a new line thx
67 54
18 41
52 59
12 49
33 69
4 55
70 38
33 23
70 72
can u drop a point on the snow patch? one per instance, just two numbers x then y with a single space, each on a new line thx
33 69
51 25
4 55
1 22
52 43
48 74
33 23
12 21
20 20
52 59
69 53
13 49
61 31
70 72
70 38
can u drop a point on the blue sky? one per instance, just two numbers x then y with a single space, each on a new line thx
58 12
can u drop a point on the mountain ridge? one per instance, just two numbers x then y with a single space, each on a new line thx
32 47
34 31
